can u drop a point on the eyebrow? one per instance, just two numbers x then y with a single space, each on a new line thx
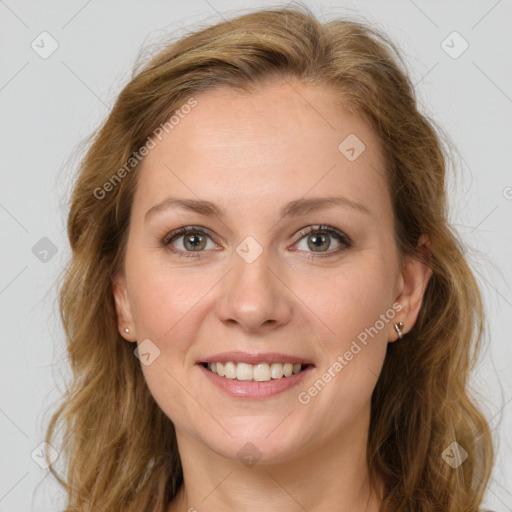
293 208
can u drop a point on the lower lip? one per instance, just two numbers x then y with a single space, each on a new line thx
254 390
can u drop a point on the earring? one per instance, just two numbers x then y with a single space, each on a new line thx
126 330
398 328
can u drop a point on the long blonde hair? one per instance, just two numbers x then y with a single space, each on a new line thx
119 448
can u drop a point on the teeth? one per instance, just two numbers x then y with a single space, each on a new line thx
276 370
243 371
230 370
262 372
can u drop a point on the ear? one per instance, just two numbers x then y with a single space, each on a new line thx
123 308
413 281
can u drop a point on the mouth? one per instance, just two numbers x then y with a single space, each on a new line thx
243 375
260 372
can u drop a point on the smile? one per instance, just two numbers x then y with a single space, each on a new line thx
262 372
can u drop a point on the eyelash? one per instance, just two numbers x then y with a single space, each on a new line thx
339 235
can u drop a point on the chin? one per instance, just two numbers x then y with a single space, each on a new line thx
258 442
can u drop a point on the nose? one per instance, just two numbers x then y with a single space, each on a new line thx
254 296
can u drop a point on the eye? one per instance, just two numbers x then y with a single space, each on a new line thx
318 239
190 240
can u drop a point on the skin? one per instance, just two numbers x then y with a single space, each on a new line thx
251 154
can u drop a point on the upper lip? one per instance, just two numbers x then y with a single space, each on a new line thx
264 357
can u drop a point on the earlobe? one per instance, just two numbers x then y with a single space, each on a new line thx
123 310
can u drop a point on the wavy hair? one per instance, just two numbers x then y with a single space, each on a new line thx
118 447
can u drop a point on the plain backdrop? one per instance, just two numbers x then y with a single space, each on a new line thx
50 102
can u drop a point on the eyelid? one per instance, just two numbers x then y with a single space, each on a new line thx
344 239
176 233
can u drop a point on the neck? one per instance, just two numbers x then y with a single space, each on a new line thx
329 476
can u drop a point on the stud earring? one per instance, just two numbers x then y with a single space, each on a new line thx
398 328
126 330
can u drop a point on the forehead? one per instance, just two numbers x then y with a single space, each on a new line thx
282 142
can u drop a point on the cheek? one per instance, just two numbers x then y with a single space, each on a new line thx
165 307
354 314
163 298
342 302
348 300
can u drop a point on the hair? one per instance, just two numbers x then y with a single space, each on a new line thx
119 448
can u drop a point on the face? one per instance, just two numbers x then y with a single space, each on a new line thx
268 273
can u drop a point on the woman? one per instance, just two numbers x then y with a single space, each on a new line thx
266 306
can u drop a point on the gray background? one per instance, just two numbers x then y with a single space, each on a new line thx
48 105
